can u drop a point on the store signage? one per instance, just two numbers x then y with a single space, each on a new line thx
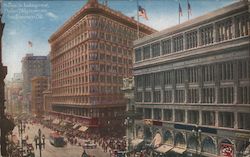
226 150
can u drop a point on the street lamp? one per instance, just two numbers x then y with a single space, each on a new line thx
20 131
40 141
197 134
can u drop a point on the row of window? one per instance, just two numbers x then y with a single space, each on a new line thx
79 33
226 95
220 31
207 73
225 119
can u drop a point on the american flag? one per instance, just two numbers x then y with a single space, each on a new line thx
189 8
142 12
30 43
180 10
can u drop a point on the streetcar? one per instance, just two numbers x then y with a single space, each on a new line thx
56 140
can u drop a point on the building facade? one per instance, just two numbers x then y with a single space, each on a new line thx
39 85
13 95
90 55
192 85
33 66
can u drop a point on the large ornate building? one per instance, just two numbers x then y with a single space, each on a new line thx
90 55
192 85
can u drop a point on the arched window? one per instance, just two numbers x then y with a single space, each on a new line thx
179 140
208 145
168 137
192 142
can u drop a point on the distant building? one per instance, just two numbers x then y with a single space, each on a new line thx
33 66
39 85
90 55
192 85
13 95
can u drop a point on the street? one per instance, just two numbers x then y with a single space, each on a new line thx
51 151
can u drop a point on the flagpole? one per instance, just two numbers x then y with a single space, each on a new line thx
138 31
188 9
179 12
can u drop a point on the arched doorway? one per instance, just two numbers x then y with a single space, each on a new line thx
192 142
157 140
180 140
226 148
168 138
208 145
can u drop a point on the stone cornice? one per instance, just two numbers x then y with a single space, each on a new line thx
207 18
102 10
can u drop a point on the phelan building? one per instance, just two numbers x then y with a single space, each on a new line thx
192 85
90 55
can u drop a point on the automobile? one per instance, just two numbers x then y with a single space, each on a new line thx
89 145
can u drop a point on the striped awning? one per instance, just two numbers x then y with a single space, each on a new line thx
163 148
56 121
83 128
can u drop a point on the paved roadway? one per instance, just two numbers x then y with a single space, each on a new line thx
51 151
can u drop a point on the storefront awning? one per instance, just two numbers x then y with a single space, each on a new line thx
56 121
179 150
83 128
75 126
163 148
136 142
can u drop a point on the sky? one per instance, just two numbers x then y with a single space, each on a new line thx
37 20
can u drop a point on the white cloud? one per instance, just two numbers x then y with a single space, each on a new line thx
12 32
52 15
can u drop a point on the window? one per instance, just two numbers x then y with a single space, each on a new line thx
179 76
191 39
157 96
226 119
178 43
244 95
226 71
208 118
208 95
193 96
157 114
168 96
179 96
244 69
147 80
206 34
243 121
146 52
227 95
208 73
167 115
224 30
147 96
179 115
156 49
157 79
242 25
193 74
193 117
148 113
138 97
139 81
168 77
166 46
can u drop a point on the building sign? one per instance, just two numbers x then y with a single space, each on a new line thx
226 150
